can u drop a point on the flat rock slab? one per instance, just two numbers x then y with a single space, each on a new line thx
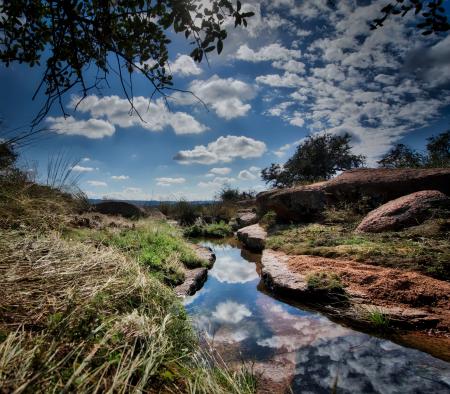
411 299
206 254
406 211
253 237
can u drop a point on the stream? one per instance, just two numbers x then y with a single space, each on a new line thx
296 350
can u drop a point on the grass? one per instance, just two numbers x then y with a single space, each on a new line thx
89 310
214 230
325 281
415 249
378 318
80 318
155 244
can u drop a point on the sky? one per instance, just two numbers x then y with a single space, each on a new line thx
300 68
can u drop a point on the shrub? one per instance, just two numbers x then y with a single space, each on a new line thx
325 281
378 318
214 230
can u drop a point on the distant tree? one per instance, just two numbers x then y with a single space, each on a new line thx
438 149
318 157
228 194
69 37
437 154
434 20
402 156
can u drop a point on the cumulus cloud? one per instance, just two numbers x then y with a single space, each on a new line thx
184 65
251 174
226 96
120 177
97 183
270 52
228 270
220 171
224 150
113 110
231 312
170 181
78 168
376 85
92 128
217 182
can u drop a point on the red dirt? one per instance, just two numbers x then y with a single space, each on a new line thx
385 287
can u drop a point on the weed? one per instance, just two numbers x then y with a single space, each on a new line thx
325 281
378 318
214 230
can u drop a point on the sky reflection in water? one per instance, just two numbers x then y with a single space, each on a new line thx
304 349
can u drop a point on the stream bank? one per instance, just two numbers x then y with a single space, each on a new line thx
291 347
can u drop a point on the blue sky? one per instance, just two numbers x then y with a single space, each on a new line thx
300 68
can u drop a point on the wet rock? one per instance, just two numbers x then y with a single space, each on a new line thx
205 253
120 208
373 185
406 211
277 276
194 280
253 237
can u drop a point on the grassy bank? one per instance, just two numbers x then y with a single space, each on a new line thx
423 248
92 309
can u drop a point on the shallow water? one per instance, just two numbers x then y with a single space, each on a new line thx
300 350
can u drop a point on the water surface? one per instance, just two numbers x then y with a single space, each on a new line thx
300 350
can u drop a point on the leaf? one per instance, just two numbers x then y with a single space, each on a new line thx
219 46
238 5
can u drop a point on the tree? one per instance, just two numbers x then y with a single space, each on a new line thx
401 156
438 149
435 20
71 36
318 157
437 155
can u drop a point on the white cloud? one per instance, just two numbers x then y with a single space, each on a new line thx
78 168
170 181
120 177
287 80
220 170
92 128
377 85
268 53
251 174
184 65
227 270
224 150
231 312
292 66
154 113
228 97
97 183
85 159
216 183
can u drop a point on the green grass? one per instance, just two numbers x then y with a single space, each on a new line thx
325 281
214 230
378 318
155 244
417 249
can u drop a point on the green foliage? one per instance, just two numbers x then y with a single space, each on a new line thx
317 158
437 155
269 219
325 281
434 20
378 318
401 156
229 194
214 230
69 38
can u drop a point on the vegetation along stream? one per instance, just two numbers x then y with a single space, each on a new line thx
296 350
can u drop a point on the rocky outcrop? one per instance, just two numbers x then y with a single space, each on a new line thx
120 208
253 237
195 278
193 281
409 299
244 218
376 186
406 211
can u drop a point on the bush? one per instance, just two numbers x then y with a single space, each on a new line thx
325 281
214 230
